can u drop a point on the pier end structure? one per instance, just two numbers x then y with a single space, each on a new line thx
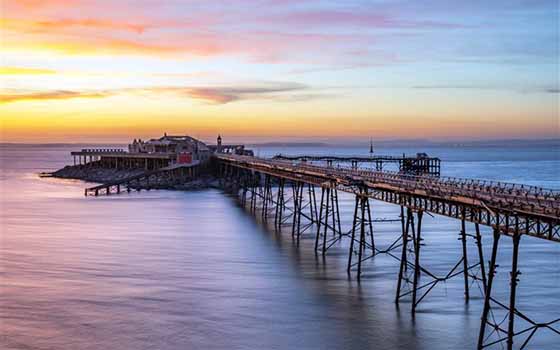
419 164
154 154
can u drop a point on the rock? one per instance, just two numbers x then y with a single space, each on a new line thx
105 175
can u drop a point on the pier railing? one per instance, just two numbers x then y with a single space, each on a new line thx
475 188
103 150
510 207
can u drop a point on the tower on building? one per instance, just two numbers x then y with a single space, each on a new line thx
219 143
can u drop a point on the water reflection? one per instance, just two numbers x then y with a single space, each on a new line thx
174 270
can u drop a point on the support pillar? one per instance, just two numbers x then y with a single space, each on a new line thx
465 258
478 239
362 222
513 288
417 245
404 252
488 291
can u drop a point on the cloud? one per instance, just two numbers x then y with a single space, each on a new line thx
43 3
222 95
100 46
48 95
89 23
279 34
520 89
213 95
24 71
363 18
453 87
310 34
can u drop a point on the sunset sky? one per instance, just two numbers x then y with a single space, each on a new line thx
100 71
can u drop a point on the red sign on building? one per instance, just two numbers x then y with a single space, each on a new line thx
184 158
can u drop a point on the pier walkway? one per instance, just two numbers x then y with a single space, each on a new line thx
285 190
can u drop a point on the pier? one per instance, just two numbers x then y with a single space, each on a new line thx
306 196
301 193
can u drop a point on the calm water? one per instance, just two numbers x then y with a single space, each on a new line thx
175 270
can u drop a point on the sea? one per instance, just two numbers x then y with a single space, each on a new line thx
195 270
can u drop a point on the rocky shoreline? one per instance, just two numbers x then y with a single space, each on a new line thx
106 175
98 175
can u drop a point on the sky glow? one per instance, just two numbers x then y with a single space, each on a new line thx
98 71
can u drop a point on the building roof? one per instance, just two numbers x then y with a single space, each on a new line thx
175 139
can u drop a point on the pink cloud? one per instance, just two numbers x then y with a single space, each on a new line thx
92 23
295 36
351 19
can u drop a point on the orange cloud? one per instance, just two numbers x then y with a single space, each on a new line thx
92 46
214 95
94 23
24 71
41 26
43 3
94 36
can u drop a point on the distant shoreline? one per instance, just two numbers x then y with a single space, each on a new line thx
341 144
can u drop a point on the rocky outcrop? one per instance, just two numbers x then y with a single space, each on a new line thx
106 175
95 174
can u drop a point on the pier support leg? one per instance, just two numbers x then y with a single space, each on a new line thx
405 228
465 258
312 203
370 221
353 235
488 291
417 245
362 234
513 289
266 194
336 219
253 202
297 208
324 250
412 232
507 333
362 222
478 239
300 209
279 204
320 218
